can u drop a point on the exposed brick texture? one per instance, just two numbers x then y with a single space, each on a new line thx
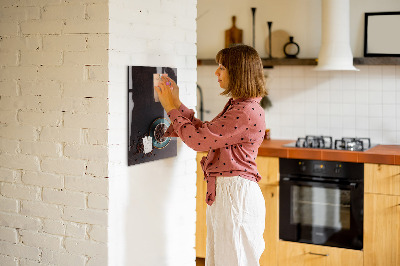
63 79
53 136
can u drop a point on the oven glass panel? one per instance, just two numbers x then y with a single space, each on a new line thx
321 207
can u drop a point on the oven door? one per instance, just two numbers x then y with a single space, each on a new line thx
321 212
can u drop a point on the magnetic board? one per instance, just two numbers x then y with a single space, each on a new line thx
147 119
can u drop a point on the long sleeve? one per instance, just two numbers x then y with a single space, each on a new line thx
232 127
187 113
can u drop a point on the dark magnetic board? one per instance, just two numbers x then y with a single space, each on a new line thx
146 116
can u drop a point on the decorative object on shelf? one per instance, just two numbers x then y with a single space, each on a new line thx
267 135
380 37
291 49
253 10
269 38
233 36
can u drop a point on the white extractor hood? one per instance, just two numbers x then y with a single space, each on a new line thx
335 52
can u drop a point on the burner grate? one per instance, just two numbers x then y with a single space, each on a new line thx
322 142
353 144
326 142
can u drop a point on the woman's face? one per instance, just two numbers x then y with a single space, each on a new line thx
223 76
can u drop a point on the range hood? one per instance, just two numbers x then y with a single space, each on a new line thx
335 52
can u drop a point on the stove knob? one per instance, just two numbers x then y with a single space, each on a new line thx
338 169
302 166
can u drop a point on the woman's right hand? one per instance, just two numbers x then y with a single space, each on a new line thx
175 91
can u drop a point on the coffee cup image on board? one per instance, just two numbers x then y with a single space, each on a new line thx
157 130
147 119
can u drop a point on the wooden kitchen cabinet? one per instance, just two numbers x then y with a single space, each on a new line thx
382 215
300 254
382 179
381 230
201 205
271 232
269 170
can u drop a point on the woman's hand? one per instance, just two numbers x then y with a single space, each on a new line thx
175 90
165 96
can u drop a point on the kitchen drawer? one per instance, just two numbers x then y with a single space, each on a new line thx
299 254
382 179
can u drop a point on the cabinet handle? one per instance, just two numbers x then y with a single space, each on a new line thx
318 254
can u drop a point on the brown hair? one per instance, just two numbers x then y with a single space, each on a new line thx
245 69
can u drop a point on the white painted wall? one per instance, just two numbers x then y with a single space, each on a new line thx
341 104
53 133
152 205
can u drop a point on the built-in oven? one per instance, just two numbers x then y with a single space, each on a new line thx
321 202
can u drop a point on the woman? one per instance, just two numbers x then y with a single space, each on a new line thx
236 211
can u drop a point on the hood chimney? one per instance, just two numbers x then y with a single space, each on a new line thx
335 52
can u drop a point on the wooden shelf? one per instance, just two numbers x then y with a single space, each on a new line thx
269 63
289 62
377 61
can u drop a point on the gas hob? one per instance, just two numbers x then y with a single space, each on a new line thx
327 142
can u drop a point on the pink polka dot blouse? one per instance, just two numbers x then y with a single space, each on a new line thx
232 139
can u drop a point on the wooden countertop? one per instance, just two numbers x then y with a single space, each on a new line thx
380 154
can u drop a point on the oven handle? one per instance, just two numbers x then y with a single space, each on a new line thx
311 181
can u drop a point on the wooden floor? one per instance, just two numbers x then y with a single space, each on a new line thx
200 262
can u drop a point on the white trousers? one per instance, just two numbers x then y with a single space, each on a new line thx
235 223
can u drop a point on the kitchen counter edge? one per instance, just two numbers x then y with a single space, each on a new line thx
379 154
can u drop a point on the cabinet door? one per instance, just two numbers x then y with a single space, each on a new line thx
381 230
271 232
382 179
268 167
299 254
201 205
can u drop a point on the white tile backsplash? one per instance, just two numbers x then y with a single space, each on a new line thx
389 124
349 96
348 109
375 110
389 97
362 110
389 111
363 103
362 97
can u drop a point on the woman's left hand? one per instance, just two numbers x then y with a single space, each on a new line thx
165 96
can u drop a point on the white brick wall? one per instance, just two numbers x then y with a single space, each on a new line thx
60 139
152 205
53 132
